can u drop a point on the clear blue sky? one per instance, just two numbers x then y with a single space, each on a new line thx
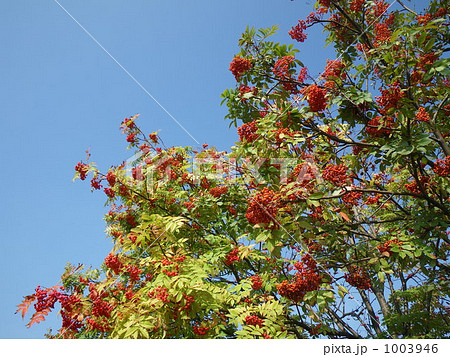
61 94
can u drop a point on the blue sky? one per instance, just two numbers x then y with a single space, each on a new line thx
61 94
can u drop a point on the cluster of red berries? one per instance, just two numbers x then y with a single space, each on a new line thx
46 298
442 167
379 126
101 325
263 207
334 69
109 192
386 246
256 282
131 138
378 9
136 172
390 97
188 301
133 271
382 34
358 278
254 320
336 174
127 124
232 257
325 3
111 178
424 19
113 262
101 308
356 5
414 187
82 169
129 294
303 174
218 191
166 262
239 66
200 330
297 32
302 74
123 190
96 183
352 197
422 115
282 66
162 294
190 205
307 279
153 137
316 97
247 131
373 200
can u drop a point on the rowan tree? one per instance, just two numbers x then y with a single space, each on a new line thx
329 217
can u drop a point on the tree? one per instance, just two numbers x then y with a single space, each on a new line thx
328 218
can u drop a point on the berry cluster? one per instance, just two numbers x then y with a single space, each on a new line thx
379 126
161 294
200 330
336 174
100 325
218 191
442 167
373 200
46 298
281 71
113 262
82 169
239 66
352 197
232 257
303 174
415 187
247 131
356 5
334 69
316 97
282 66
307 279
111 178
254 320
390 97
133 271
96 183
188 301
263 207
256 282
424 19
358 278
386 246
382 34
101 308
422 115
297 31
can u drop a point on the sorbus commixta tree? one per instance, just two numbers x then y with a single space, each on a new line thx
330 217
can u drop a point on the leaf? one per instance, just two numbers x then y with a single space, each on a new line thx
25 305
38 316
344 215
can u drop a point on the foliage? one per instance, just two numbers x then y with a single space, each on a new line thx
328 218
